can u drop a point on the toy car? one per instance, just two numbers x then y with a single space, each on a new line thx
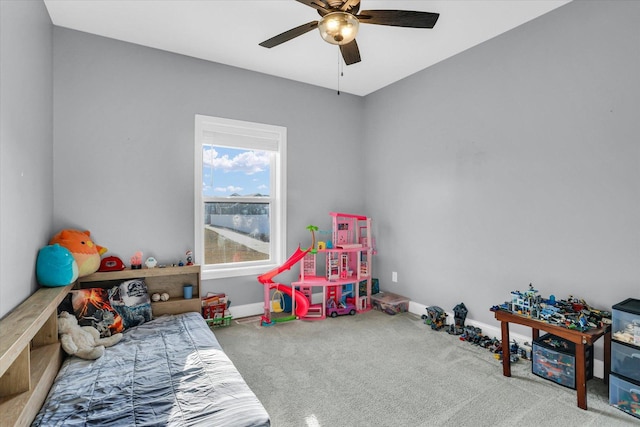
341 309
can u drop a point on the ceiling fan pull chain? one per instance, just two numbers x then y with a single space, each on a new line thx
339 70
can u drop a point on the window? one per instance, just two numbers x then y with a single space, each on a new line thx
240 200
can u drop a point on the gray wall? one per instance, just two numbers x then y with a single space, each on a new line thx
521 163
124 146
513 162
26 168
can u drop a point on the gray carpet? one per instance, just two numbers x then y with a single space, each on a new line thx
376 369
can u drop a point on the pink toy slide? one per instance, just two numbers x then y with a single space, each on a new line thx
302 304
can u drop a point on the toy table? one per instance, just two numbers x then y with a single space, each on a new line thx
580 338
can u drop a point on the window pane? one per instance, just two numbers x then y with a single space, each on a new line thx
240 195
235 172
236 232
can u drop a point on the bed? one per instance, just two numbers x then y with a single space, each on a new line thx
170 371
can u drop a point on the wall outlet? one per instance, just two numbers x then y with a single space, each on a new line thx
394 276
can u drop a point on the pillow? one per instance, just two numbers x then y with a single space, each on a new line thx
92 308
131 301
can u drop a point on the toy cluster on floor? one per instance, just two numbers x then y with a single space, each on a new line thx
342 275
554 358
436 318
571 313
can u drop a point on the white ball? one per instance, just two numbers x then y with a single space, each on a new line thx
164 296
155 297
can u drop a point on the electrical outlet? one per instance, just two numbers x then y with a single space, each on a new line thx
394 276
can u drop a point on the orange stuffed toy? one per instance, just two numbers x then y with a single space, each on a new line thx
84 250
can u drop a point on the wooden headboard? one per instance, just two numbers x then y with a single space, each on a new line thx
30 352
30 355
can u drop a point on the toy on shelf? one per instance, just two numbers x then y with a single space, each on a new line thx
346 266
56 266
111 263
136 261
84 250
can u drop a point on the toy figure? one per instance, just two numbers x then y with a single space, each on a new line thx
460 314
189 255
136 261
436 317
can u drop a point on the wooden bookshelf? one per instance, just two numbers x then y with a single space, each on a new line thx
158 280
30 355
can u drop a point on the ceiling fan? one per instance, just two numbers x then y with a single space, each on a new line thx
340 21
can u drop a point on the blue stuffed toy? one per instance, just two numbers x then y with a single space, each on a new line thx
56 266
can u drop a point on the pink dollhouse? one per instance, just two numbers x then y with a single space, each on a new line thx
335 274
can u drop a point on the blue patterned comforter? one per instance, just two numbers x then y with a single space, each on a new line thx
167 372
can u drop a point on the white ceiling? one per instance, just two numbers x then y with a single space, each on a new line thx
228 32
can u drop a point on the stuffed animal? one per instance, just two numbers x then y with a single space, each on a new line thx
82 341
56 266
85 252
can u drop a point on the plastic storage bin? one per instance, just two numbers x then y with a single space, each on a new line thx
625 360
624 394
553 359
390 303
626 321
218 322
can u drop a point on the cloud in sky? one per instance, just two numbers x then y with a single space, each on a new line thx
248 162
228 171
228 189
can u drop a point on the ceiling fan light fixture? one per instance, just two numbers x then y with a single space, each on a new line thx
338 28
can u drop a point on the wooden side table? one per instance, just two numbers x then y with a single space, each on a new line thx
580 338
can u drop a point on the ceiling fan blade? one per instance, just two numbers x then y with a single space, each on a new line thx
350 53
316 4
399 18
291 34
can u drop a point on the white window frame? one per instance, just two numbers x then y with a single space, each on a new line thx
244 135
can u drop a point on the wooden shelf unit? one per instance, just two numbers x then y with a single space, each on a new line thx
30 355
158 280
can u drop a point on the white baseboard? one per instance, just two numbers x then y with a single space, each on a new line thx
418 309
257 309
246 310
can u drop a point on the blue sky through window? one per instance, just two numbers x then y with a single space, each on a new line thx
227 171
